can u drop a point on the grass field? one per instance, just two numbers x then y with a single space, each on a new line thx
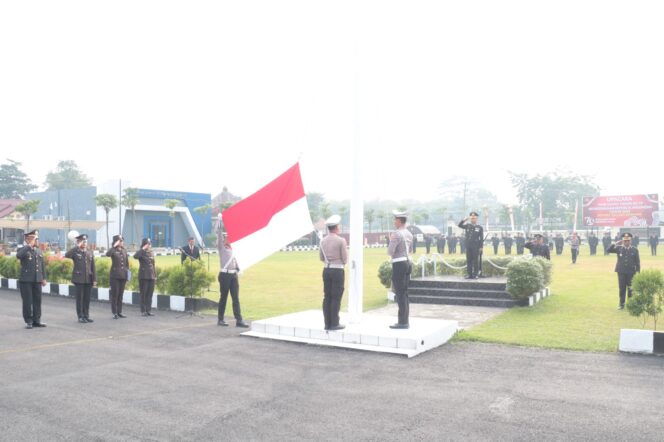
581 314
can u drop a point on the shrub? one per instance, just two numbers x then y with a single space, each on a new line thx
524 278
385 274
162 279
546 266
490 270
189 279
649 288
10 267
442 269
59 269
103 268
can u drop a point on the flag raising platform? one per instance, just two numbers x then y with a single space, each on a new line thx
372 333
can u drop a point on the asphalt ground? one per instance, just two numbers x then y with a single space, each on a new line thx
169 378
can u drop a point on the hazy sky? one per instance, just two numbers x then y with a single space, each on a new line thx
195 95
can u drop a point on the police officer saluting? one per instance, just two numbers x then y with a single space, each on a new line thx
401 242
84 276
33 277
147 275
627 265
474 244
334 253
119 274
538 247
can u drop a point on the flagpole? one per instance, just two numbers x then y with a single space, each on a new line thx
356 281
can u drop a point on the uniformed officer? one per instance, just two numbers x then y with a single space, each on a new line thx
538 247
495 241
401 241
653 241
462 244
147 275
627 265
427 243
507 242
474 240
440 244
33 277
228 282
593 241
559 243
452 243
606 242
520 242
119 274
334 253
190 251
84 276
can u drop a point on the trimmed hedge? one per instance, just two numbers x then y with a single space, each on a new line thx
524 277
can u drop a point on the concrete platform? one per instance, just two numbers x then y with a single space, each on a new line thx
371 334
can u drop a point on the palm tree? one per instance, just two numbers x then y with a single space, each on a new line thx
27 208
170 204
130 200
369 215
107 202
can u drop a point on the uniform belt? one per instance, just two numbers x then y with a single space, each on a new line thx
400 259
227 271
335 266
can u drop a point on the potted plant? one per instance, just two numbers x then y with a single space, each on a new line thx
647 303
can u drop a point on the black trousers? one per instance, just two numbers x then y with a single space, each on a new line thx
624 286
228 283
333 289
400 280
31 294
117 290
575 254
83 299
146 287
508 250
473 261
653 250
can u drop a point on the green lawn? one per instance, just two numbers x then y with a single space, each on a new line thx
581 314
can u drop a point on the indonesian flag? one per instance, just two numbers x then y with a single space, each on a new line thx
269 219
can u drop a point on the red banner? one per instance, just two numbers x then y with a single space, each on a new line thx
621 211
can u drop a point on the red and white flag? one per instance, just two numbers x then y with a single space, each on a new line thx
269 219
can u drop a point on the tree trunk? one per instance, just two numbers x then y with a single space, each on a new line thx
108 241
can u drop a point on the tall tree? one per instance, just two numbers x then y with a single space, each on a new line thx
558 192
314 201
108 202
170 205
130 200
14 183
67 176
26 209
369 216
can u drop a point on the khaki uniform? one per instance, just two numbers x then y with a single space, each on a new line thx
400 245
334 253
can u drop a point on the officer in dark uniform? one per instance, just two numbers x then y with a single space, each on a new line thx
452 243
606 242
538 247
474 240
520 242
147 275
33 277
440 244
495 241
334 253
84 276
462 244
119 274
508 241
593 241
653 241
427 243
559 242
401 241
636 241
627 265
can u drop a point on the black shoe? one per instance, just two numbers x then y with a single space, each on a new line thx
115 316
89 320
337 327
241 324
82 320
121 315
399 326
28 325
222 323
149 314
38 324
621 307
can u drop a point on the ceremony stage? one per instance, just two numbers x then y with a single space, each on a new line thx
372 333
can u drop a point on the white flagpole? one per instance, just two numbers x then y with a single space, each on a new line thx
356 282
541 219
512 218
576 214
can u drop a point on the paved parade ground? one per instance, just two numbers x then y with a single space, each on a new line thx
165 378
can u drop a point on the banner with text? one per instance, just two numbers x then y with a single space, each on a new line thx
621 211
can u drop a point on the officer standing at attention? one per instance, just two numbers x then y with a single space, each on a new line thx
508 241
228 282
401 241
119 274
474 243
147 275
593 241
606 242
627 265
495 241
33 277
334 253
538 247
84 276
520 242
191 250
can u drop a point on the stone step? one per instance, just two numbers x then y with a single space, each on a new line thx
458 293
474 284
480 302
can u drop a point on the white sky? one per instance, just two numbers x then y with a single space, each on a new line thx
194 95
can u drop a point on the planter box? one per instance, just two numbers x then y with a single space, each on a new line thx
4 283
641 341
55 288
12 284
136 298
177 303
390 295
103 293
46 289
94 293
127 297
163 302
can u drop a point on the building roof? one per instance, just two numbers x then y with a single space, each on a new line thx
7 207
